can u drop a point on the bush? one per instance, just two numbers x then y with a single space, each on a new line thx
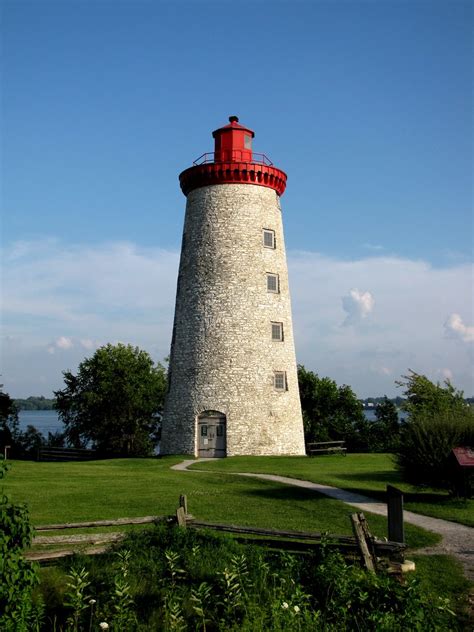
426 443
18 613
439 420
174 579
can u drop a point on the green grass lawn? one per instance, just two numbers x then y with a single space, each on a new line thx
95 490
365 473
67 492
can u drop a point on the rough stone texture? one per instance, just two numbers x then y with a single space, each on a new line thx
222 354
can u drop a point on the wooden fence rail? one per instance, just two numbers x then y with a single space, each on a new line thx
369 548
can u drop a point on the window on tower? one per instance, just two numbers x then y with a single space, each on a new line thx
273 282
277 332
268 238
279 380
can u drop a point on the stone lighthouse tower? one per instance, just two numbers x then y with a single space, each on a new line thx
233 387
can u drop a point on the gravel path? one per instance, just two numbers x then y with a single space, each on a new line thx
457 539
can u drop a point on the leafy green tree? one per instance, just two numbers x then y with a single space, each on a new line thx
35 403
424 397
439 419
9 424
29 442
115 401
386 427
331 412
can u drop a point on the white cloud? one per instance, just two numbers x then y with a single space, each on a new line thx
405 329
64 343
358 305
86 296
455 328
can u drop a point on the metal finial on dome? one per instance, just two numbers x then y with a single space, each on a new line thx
233 119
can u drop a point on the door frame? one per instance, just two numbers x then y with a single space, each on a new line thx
219 417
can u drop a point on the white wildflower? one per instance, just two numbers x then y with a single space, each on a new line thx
284 605
104 625
92 602
296 609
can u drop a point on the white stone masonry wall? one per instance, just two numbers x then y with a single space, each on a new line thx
223 357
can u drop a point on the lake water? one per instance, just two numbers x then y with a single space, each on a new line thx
47 420
43 420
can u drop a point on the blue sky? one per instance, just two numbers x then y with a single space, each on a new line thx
366 105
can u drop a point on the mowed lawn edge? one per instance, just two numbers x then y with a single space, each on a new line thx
367 474
111 489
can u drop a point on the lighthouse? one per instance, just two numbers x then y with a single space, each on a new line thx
232 381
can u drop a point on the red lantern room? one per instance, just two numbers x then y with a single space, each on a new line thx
233 162
233 142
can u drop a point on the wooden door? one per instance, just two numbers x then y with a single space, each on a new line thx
212 436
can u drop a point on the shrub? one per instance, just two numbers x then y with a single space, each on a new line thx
18 613
439 420
426 443
174 579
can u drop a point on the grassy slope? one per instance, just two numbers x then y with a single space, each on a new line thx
365 473
57 492
66 492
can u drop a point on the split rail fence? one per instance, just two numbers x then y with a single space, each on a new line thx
363 545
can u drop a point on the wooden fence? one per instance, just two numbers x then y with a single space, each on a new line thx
363 545
66 454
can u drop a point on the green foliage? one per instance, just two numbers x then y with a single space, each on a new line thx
18 577
186 580
115 401
354 599
9 424
384 432
35 403
29 442
331 412
439 420
76 597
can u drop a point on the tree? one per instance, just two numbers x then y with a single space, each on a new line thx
439 419
9 424
385 430
331 412
114 402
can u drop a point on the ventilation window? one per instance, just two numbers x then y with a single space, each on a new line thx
272 283
277 332
268 238
279 380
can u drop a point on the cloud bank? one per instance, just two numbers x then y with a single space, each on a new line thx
62 301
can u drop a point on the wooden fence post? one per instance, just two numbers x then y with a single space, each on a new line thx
183 502
360 531
396 532
180 517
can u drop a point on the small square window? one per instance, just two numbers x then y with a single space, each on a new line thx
273 283
268 238
277 332
279 380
